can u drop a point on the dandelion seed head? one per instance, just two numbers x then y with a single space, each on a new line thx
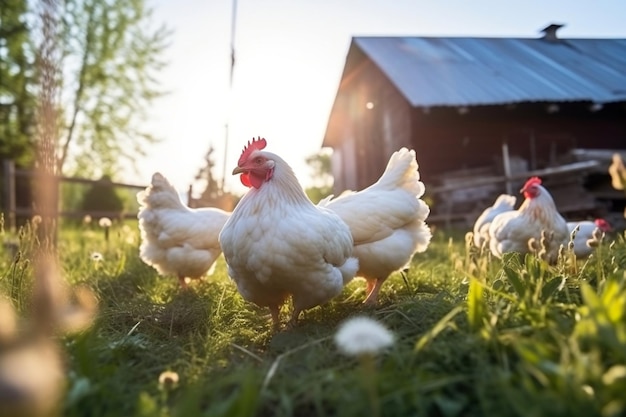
168 379
87 219
361 335
96 257
105 222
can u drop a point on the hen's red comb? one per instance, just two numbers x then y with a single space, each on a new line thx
256 144
601 223
532 181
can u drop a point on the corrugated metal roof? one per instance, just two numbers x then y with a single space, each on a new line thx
454 71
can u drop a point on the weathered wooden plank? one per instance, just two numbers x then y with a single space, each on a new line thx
480 181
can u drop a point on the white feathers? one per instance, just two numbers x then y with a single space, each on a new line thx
279 244
176 239
512 231
583 237
504 203
386 219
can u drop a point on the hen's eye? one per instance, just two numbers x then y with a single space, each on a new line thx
258 160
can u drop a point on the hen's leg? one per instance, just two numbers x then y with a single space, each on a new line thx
371 285
183 282
372 296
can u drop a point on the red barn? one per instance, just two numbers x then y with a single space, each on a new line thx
477 108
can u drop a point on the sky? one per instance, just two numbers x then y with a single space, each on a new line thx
290 56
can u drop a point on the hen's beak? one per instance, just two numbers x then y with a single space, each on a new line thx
238 170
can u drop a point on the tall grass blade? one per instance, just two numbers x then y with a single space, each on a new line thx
444 323
475 305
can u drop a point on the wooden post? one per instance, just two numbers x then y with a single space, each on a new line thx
506 162
9 192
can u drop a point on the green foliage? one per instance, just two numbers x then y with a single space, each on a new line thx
101 196
475 336
17 75
315 194
113 53
320 165
104 58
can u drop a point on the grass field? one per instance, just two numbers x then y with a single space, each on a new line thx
474 336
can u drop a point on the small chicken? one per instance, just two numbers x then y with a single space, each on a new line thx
512 231
504 202
277 243
585 236
387 221
176 239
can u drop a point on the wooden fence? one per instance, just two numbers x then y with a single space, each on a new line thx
12 211
573 198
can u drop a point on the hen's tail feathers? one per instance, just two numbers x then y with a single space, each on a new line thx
423 233
159 194
402 172
505 201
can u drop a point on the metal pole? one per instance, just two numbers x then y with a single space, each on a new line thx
233 27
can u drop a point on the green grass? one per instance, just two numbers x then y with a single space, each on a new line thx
475 336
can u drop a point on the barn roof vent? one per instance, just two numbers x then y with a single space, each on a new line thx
549 32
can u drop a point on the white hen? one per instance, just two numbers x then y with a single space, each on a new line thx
504 202
176 239
511 231
277 243
387 221
588 235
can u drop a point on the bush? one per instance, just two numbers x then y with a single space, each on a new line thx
102 197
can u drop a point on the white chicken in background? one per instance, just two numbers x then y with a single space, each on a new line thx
511 231
588 235
277 243
387 221
504 203
176 239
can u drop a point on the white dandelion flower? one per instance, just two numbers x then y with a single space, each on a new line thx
361 335
105 222
97 257
168 379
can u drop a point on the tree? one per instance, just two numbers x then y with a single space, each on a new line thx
212 189
320 164
17 99
102 197
110 54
